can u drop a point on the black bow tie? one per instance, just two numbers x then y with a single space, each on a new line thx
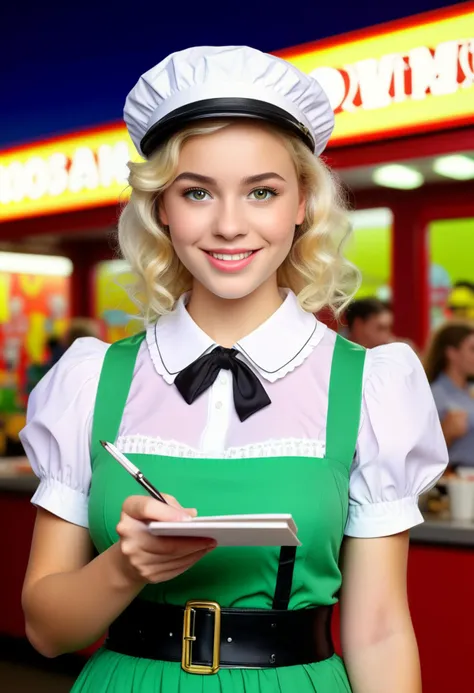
249 394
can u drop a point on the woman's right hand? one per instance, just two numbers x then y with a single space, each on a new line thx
150 559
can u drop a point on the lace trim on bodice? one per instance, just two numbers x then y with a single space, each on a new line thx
286 447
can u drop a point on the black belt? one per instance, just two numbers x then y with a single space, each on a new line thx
204 637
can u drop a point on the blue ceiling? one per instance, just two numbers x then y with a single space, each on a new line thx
69 65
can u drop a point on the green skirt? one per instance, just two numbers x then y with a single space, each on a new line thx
109 672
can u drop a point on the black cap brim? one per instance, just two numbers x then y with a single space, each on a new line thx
222 108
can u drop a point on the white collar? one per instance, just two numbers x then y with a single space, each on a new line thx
274 349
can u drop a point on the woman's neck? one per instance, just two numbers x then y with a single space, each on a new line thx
456 377
228 320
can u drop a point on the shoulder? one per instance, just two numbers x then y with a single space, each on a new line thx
87 352
77 371
394 366
84 358
397 357
396 386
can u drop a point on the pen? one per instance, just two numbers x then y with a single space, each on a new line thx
133 471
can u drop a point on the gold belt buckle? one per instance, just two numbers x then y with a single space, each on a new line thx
189 637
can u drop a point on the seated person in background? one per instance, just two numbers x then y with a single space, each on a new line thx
369 322
450 366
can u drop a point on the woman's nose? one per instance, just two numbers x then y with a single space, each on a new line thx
230 221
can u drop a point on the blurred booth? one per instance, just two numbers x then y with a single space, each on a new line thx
403 145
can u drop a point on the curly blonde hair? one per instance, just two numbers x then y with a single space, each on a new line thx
315 268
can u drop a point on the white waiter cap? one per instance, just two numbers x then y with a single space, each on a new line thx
229 81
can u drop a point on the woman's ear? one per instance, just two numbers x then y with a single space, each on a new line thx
301 211
161 212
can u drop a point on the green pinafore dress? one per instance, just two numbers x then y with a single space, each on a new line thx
314 490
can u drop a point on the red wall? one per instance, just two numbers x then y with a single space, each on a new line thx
440 585
16 513
441 592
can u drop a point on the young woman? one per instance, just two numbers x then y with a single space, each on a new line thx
450 370
234 400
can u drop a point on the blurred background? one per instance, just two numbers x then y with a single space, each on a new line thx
400 77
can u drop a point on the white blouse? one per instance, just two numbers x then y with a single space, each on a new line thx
400 450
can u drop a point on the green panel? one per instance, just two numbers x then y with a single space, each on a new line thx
370 250
452 260
452 247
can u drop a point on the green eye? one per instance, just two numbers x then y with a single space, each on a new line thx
196 194
262 194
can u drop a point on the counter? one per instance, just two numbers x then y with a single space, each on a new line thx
16 475
17 517
24 483
443 531
440 583
434 530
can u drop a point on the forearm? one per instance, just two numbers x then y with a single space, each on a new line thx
65 612
449 437
388 665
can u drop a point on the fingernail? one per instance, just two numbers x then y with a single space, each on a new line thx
185 517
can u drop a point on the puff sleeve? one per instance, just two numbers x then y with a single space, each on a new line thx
57 434
401 451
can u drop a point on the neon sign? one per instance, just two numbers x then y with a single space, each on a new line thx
392 80
399 78
85 170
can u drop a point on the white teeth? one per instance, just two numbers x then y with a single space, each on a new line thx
236 256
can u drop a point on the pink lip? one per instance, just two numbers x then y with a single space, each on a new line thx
230 265
231 251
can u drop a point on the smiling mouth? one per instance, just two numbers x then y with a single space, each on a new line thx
231 257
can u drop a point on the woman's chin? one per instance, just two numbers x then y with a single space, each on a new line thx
230 288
